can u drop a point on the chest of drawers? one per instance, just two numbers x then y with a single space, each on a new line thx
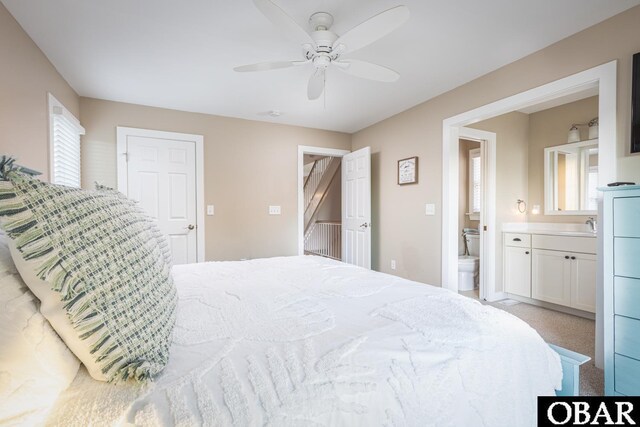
621 268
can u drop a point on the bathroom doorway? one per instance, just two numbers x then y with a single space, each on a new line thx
470 198
476 216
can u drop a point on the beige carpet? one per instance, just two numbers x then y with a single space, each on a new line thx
568 331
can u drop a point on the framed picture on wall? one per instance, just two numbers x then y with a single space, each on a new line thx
408 171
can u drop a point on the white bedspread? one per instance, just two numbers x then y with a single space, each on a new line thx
309 341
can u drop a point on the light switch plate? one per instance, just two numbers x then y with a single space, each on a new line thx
429 209
210 210
393 264
274 210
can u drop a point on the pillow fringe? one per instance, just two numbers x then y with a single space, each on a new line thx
34 244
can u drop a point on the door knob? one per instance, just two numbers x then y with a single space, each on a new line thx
365 225
191 227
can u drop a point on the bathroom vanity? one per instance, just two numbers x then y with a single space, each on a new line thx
552 265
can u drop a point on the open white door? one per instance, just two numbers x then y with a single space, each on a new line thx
356 208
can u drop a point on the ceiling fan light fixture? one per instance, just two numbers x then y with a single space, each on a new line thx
275 113
323 47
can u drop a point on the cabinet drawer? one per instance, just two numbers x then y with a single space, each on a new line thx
520 240
627 375
626 296
626 216
626 257
586 245
626 336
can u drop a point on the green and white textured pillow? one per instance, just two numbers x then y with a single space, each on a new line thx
101 269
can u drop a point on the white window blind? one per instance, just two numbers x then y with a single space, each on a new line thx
475 181
65 131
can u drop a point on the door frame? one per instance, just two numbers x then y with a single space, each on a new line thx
605 76
197 140
488 210
318 151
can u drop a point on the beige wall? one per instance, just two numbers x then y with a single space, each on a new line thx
414 239
26 75
548 128
249 165
463 196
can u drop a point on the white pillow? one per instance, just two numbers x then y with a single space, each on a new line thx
35 365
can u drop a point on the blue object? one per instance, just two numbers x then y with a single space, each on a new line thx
621 271
571 362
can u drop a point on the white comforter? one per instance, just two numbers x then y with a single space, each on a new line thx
308 341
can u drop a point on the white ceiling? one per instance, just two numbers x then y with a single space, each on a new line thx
180 54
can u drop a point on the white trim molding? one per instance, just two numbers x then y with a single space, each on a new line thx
198 140
318 151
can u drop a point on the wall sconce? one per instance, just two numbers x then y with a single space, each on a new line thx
574 132
535 210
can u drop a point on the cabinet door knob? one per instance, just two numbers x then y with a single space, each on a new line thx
566 257
527 252
573 257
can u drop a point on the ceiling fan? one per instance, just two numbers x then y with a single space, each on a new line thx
323 48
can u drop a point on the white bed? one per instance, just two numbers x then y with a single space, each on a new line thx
310 341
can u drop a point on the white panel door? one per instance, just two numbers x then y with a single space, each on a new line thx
161 175
356 208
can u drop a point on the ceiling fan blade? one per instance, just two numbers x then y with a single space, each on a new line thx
316 84
266 66
283 21
367 70
373 29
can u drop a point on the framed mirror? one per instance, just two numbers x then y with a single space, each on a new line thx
571 179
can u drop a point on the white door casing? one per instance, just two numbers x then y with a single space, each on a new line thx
356 208
160 171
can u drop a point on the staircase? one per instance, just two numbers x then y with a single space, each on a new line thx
321 237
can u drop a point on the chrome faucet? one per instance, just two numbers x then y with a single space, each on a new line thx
591 222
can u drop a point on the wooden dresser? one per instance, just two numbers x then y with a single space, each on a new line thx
621 268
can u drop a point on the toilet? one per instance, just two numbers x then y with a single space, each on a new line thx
469 265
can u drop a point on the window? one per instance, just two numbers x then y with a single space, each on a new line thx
64 151
475 184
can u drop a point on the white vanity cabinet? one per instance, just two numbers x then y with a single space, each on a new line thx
553 268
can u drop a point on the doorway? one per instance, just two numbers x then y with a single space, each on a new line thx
163 171
481 214
314 163
353 230
604 77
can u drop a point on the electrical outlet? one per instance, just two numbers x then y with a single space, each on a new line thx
429 209
274 210
393 264
210 210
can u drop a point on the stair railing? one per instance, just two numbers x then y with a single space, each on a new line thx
325 239
313 180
